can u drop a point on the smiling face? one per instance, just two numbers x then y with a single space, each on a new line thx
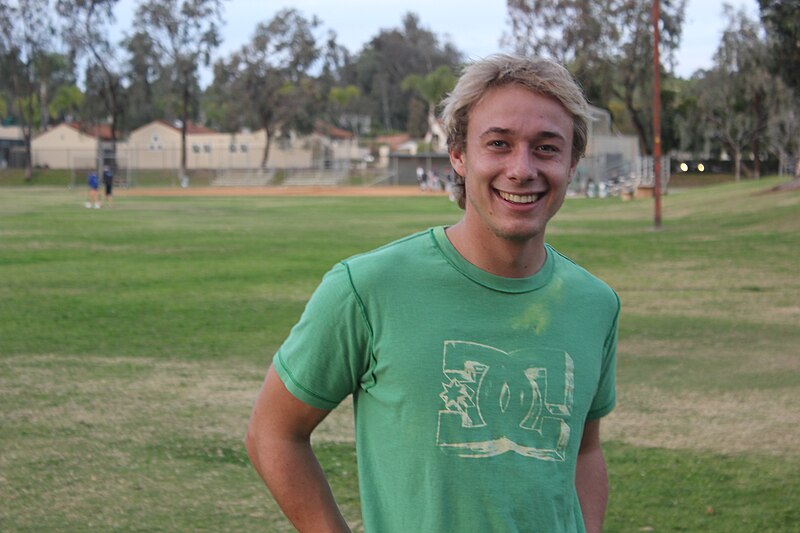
517 163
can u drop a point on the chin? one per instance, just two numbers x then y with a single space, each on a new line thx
517 234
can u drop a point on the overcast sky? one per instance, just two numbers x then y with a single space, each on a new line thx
475 27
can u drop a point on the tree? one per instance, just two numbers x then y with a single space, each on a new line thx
66 102
270 76
86 30
343 101
782 22
780 17
783 124
26 40
184 33
392 56
432 88
606 44
733 96
145 90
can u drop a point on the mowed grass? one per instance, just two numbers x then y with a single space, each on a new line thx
133 342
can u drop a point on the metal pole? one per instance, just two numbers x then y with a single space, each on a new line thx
656 118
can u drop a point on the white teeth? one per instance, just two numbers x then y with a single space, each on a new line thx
518 198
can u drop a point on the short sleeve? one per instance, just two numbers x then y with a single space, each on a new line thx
606 397
328 350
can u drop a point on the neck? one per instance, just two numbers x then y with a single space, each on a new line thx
508 258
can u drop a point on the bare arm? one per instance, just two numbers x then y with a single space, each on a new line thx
591 478
278 442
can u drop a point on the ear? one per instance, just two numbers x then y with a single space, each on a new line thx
457 161
573 167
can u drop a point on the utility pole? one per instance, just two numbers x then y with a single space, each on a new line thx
656 117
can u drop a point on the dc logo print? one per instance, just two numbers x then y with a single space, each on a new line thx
495 402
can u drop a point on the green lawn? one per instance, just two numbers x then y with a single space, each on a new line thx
133 342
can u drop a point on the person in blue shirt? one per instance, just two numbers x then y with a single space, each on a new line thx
94 184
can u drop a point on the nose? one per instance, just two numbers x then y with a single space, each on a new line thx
522 165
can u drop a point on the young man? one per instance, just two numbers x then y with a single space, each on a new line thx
480 360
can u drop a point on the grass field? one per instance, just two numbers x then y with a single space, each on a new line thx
133 342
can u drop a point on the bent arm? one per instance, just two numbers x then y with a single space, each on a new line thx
591 478
278 443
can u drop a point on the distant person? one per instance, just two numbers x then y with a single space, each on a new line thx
591 188
94 184
433 183
480 360
108 182
422 177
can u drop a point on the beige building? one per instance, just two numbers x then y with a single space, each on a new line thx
157 145
69 146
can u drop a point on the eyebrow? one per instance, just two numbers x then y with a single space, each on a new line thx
547 134
495 131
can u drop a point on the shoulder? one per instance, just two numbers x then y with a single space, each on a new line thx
406 249
580 279
392 262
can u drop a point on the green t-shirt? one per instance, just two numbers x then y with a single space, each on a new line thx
470 390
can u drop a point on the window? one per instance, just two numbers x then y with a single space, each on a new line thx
196 148
243 148
207 148
232 148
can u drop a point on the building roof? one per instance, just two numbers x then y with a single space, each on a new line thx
192 128
329 130
99 131
393 141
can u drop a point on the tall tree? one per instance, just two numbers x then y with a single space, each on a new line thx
185 32
733 97
783 124
25 42
606 44
87 31
145 89
392 56
270 76
782 21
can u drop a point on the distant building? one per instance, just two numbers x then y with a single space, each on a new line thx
157 146
11 142
71 146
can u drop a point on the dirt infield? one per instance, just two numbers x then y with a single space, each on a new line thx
281 191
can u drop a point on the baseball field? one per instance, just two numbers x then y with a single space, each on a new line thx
133 341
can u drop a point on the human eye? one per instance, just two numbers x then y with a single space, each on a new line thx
497 144
549 149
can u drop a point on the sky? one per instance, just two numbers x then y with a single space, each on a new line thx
474 27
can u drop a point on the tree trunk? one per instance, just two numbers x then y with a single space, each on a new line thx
645 146
26 134
43 111
738 163
756 144
182 168
184 119
267 145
